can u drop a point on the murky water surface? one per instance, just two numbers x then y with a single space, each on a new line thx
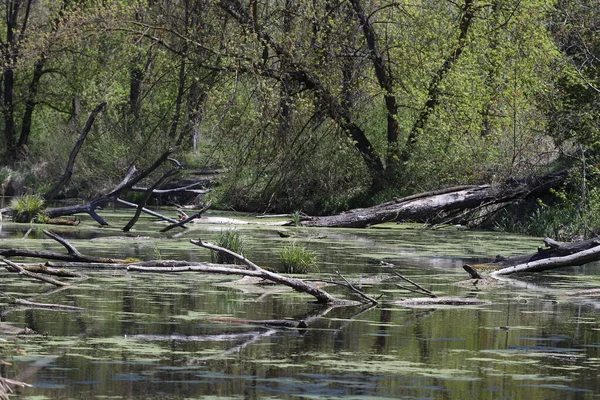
181 336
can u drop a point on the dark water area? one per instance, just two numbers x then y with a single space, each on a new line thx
187 336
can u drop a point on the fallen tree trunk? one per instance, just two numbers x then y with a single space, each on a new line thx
132 178
72 253
572 260
446 205
297 284
554 255
553 249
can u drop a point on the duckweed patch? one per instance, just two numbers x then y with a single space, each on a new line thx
158 333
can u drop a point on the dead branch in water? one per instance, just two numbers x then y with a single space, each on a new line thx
554 255
420 289
13 267
185 220
355 290
6 387
132 178
297 284
46 306
148 193
580 258
72 253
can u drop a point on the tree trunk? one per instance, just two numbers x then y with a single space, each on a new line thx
572 260
66 177
433 92
443 205
132 178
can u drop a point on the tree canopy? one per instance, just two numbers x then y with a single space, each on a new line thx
308 105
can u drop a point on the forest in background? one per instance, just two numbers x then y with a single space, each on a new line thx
309 106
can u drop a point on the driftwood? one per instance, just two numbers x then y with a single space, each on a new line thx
184 221
46 306
554 255
297 284
575 259
47 270
6 387
271 323
439 301
7 329
419 289
147 211
353 289
72 253
442 206
552 249
14 267
183 189
170 266
75 259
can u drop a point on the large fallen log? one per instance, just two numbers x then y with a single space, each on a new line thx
444 205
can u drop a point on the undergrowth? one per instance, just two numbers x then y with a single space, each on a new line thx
28 208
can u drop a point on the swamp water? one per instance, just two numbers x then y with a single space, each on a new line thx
168 336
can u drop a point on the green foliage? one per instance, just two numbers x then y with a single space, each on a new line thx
296 216
282 116
296 259
28 208
230 239
572 213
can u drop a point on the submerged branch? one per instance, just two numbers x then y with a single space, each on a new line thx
184 221
46 306
421 289
355 290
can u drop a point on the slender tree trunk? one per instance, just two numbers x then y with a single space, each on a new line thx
30 104
382 72
178 101
433 93
66 177
8 83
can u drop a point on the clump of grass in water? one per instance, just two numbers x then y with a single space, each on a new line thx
296 217
298 260
27 208
231 240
